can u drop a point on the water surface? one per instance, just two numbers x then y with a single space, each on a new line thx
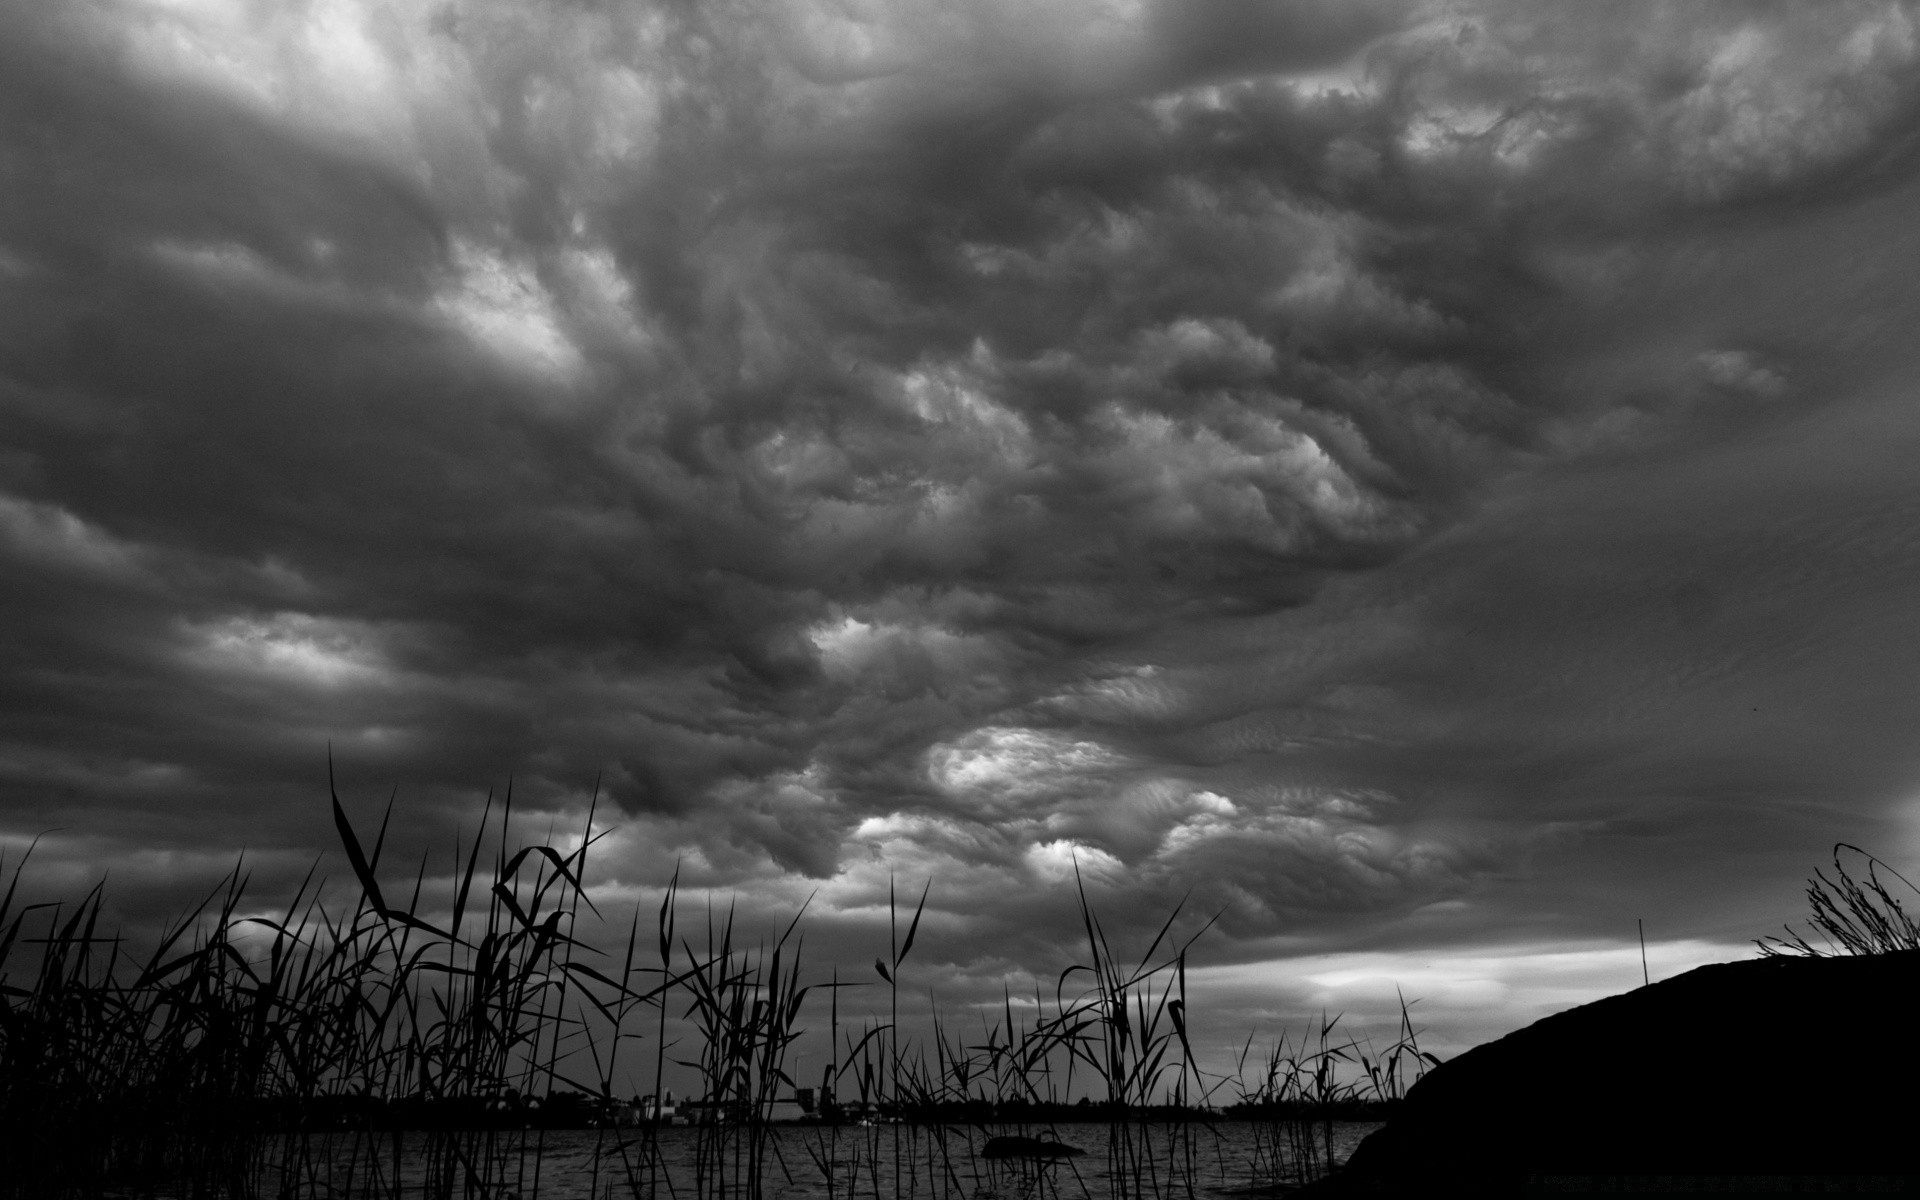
803 1162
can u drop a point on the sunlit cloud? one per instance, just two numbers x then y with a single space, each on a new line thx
295 648
504 308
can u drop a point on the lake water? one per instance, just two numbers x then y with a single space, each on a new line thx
865 1163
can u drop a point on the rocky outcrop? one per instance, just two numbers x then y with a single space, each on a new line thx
1770 1067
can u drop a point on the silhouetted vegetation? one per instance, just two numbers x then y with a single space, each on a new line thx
1853 916
333 1048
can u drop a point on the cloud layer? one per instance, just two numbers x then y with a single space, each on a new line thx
1403 473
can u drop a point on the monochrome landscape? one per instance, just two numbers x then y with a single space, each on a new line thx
1138 575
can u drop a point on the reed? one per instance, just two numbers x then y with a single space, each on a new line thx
283 1054
1852 916
366 1042
1302 1085
745 1006
1126 1028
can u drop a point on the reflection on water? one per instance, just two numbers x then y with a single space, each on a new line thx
824 1163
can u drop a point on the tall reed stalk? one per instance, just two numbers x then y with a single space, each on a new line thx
1303 1085
1852 916
377 1039
286 1054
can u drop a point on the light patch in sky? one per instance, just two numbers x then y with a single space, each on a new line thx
851 648
944 397
625 117
50 534
963 856
1197 481
1212 817
1212 802
1442 129
1078 46
844 646
1176 105
602 295
1464 994
219 259
318 64
1138 692
1056 862
500 303
294 647
1001 763
1345 80
898 826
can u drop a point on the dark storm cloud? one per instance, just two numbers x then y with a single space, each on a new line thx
1311 454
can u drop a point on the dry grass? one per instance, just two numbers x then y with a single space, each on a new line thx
1852 916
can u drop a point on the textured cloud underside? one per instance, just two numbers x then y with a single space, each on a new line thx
1314 454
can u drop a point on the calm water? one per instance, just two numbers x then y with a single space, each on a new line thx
881 1163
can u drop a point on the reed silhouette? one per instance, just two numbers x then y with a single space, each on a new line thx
1852 916
374 1044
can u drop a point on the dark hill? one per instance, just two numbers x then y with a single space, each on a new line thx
1769 1067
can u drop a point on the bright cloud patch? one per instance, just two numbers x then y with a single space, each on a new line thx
1058 861
55 537
998 765
297 648
1458 997
502 305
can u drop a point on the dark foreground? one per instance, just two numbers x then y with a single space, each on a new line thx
1775 1075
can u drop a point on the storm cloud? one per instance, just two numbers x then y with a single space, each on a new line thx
1408 475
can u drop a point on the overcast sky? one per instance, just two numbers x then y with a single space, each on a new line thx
1436 482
